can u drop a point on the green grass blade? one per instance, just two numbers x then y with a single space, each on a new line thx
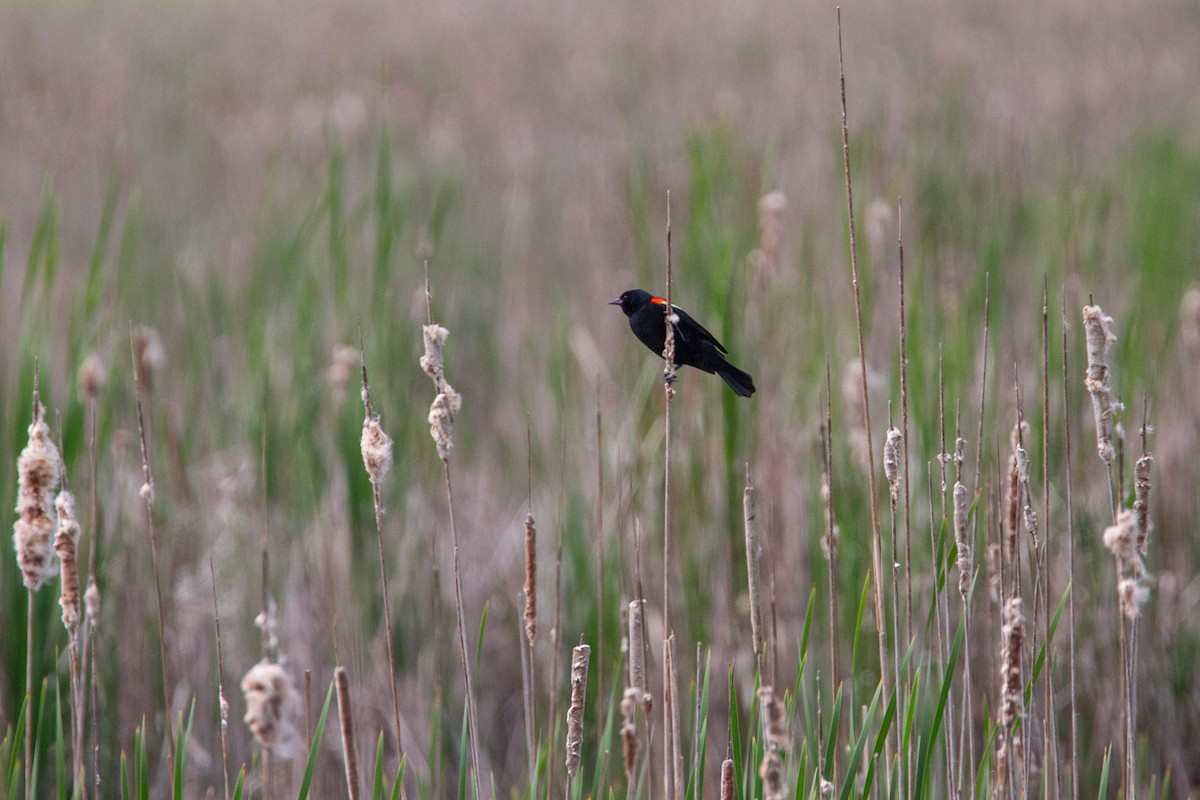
239 786
318 734
930 742
183 736
860 745
60 757
377 783
735 734
399 782
124 776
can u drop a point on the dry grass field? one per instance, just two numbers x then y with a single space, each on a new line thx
244 198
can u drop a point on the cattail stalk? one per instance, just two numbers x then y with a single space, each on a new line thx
142 373
877 544
579 670
446 405
376 447
345 717
222 703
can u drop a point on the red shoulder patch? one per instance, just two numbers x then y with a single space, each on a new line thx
658 301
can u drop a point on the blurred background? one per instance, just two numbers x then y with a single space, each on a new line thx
261 182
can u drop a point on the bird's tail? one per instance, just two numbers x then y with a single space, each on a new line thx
741 382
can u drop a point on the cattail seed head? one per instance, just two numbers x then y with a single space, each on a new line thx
1012 502
530 579
727 784
579 671
376 448
891 460
1132 594
960 453
149 355
1141 500
1121 539
38 469
629 740
962 539
64 545
91 603
637 646
1098 332
341 680
91 378
448 402
775 743
269 697
1010 662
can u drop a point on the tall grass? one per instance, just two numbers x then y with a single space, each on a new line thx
338 233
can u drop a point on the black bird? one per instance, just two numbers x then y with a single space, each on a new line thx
694 345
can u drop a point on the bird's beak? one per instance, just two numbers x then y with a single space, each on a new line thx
616 302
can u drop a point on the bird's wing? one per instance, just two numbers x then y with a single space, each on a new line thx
687 328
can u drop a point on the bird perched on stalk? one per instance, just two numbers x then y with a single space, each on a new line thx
694 345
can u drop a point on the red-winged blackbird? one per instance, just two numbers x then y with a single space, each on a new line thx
694 345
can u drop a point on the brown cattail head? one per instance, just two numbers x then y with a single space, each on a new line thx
579 672
1098 331
346 722
960 454
727 784
891 460
270 698
962 539
91 378
1141 500
65 543
1012 506
753 570
530 579
448 402
38 469
149 355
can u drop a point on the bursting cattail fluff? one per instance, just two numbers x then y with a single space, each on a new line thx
448 402
1098 331
1121 539
774 741
270 698
38 469
65 543
376 447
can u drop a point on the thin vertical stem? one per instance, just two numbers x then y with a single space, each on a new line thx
877 544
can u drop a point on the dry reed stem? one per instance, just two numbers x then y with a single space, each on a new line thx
877 544
222 703
146 361
529 595
579 670
671 709
346 720
376 447
1070 534
829 546
753 571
